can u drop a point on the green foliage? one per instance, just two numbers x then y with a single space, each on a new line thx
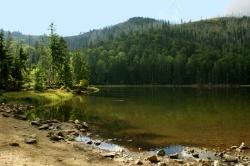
39 80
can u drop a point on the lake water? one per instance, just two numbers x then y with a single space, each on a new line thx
160 117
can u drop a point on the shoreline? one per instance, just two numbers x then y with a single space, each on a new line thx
56 132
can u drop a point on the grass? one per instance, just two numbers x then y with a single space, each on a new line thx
49 97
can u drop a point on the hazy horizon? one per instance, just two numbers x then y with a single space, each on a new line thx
76 16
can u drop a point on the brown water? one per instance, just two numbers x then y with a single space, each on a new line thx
161 117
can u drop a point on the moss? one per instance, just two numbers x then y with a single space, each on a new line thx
49 97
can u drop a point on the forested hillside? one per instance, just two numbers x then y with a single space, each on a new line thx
215 51
144 51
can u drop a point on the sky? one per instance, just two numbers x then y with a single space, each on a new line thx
74 16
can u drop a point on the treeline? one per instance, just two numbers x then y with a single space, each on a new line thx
49 64
214 51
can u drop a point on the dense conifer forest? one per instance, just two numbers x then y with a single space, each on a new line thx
138 51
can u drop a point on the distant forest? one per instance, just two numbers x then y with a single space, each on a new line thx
148 51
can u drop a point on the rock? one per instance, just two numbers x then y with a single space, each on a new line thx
162 164
243 146
229 158
217 163
6 115
56 138
138 162
77 121
44 127
234 147
20 117
83 130
174 156
109 155
153 159
195 155
35 123
161 152
97 143
14 144
89 142
85 125
180 161
30 140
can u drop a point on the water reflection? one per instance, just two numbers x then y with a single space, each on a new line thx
160 117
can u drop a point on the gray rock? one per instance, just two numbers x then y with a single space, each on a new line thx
30 140
234 147
89 142
20 117
77 121
195 155
6 115
44 127
229 158
35 123
161 153
153 159
174 156
243 146
97 143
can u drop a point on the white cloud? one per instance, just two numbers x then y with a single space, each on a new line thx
239 8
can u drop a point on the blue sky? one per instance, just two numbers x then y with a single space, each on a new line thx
75 16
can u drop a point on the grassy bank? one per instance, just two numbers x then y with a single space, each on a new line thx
49 97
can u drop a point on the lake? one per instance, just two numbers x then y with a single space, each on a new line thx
160 117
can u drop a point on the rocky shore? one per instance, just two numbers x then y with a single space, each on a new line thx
70 133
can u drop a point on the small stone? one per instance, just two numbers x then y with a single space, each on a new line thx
109 155
35 123
56 138
229 158
44 127
138 162
153 159
89 142
30 140
97 143
162 164
234 147
161 153
217 163
20 117
82 130
14 144
77 121
6 115
195 155
174 156
243 146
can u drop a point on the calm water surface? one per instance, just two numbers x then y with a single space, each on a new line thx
160 117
